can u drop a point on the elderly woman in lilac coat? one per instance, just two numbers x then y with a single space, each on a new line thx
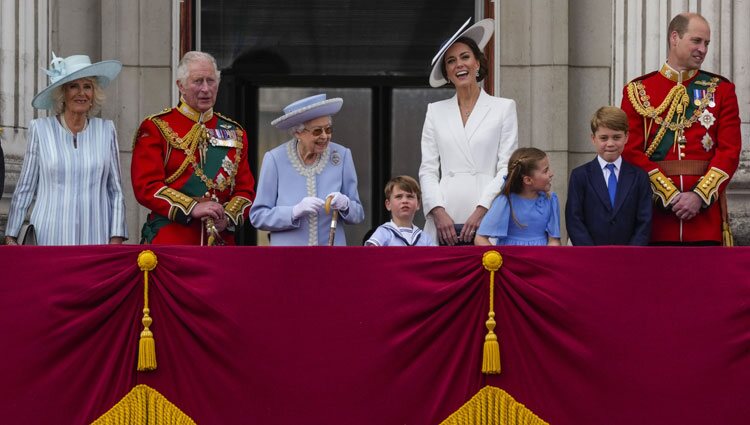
298 177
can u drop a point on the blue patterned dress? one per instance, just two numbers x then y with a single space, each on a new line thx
539 218
77 188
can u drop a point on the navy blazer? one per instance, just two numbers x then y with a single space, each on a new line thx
590 218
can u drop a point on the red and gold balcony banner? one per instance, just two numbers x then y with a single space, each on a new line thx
375 335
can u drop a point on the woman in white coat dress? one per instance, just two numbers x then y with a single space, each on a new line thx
466 140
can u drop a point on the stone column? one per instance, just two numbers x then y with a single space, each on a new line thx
23 52
139 34
535 73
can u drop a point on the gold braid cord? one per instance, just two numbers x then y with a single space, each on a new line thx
492 261
677 101
147 345
144 405
493 406
189 143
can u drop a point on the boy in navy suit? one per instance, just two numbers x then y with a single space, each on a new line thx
609 200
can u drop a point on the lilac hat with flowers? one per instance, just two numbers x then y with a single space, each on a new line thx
307 109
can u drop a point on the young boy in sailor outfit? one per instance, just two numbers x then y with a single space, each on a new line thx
403 199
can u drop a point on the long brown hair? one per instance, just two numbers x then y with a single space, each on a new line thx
522 162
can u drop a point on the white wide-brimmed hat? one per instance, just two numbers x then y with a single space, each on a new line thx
481 32
64 70
307 109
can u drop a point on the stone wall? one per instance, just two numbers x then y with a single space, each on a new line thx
139 33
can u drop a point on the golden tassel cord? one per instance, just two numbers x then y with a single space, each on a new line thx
144 405
147 344
492 261
726 234
493 406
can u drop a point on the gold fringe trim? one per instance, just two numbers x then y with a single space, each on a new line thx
493 406
147 344
726 235
144 405
492 261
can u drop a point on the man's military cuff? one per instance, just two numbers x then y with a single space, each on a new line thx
708 185
235 209
180 205
662 186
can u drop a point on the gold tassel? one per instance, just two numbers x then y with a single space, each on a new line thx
726 230
726 234
147 344
492 261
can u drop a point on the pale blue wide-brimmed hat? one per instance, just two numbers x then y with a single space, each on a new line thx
307 109
64 70
481 32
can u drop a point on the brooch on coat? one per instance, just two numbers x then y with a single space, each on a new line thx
335 158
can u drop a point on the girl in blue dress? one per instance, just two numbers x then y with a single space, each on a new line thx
525 212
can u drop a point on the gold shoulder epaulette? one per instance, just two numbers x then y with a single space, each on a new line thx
225 118
643 77
148 118
158 114
720 77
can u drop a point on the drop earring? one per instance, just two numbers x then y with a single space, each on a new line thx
477 74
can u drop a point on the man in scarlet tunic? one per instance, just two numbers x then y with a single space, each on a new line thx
190 164
685 132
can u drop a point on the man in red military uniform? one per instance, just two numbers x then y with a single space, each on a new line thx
685 132
190 164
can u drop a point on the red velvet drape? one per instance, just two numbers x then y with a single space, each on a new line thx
378 335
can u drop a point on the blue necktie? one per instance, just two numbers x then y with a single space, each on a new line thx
611 183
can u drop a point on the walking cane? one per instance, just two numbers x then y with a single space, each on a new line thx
334 220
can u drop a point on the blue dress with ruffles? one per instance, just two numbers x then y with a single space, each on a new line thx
539 218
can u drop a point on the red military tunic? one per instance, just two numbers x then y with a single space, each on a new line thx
684 132
177 163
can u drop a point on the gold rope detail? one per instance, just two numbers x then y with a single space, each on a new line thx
147 344
492 261
493 406
144 405
188 144
677 100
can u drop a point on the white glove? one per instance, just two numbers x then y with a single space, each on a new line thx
339 202
307 206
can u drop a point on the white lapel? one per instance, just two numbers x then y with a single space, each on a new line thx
458 131
481 109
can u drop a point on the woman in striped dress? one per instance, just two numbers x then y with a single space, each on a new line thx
72 166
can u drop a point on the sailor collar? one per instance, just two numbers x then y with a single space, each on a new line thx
675 75
194 115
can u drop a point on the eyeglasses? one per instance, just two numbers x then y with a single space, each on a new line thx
318 131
